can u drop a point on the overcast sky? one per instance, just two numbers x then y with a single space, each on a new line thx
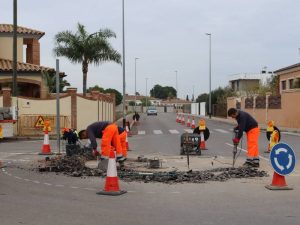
169 35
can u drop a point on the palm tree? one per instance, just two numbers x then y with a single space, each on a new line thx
86 48
50 81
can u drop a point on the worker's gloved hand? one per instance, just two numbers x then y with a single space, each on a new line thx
235 141
95 153
236 129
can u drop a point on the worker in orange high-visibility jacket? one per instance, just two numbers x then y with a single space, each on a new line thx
246 123
109 134
123 137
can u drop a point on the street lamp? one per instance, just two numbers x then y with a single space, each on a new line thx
135 59
146 93
176 91
123 64
209 101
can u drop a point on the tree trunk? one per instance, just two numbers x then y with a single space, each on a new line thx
84 71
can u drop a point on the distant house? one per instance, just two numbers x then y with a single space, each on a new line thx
30 81
289 78
138 99
243 82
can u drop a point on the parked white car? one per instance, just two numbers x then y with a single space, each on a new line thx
151 111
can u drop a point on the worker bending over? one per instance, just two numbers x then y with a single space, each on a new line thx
110 138
248 124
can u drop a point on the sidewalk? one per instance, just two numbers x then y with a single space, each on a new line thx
288 130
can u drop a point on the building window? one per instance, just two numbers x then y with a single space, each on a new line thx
291 83
283 85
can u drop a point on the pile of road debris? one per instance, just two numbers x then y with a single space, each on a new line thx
217 174
75 166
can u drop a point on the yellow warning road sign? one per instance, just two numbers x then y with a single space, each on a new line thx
40 123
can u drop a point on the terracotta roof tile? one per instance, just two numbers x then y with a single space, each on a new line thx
6 66
8 28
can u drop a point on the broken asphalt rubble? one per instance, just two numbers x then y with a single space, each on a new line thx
75 166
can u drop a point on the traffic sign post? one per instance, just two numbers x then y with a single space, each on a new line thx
283 161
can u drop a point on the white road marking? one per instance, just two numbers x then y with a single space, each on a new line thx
290 133
74 187
157 132
90 189
141 132
48 184
222 131
189 130
59 185
174 131
246 151
36 182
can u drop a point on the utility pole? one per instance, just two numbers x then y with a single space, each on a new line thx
135 83
176 92
209 101
15 11
123 32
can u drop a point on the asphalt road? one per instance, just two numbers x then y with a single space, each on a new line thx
28 197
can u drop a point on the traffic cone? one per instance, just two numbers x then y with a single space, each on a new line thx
46 150
182 120
188 122
202 141
179 118
193 123
127 130
278 183
112 181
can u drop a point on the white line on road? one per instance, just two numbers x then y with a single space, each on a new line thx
174 131
246 151
74 187
189 130
36 182
142 132
290 133
48 184
222 131
157 132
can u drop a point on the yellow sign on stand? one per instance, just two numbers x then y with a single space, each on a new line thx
40 122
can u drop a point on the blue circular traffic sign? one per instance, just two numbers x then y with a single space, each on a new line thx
283 159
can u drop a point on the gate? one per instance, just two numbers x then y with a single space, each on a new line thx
26 124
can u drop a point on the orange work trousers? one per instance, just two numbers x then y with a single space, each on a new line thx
111 137
252 139
123 137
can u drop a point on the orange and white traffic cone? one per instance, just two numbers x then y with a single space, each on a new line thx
112 181
46 150
188 122
278 183
127 130
182 120
202 141
193 123
179 118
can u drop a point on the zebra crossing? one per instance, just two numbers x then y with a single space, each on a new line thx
172 131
